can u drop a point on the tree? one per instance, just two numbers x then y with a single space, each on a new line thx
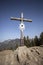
16 46
32 42
41 38
26 41
36 41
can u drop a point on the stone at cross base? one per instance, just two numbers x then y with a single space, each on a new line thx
22 56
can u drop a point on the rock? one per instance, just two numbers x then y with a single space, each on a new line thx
22 56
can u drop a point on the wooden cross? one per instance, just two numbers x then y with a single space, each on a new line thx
21 19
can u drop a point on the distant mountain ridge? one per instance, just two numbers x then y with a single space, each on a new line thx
7 44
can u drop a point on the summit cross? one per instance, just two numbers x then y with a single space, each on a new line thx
22 26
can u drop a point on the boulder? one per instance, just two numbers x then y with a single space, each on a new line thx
22 56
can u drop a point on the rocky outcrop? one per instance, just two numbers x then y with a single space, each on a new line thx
22 56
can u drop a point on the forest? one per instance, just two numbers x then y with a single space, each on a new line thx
36 41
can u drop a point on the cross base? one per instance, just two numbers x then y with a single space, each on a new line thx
21 42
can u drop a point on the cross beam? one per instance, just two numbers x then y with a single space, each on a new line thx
21 19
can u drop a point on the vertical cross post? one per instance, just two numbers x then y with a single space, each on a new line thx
21 30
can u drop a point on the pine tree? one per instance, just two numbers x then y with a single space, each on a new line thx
26 41
41 38
32 42
36 41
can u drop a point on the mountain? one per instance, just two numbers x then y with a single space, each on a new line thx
9 44
22 56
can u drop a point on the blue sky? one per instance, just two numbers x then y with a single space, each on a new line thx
32 9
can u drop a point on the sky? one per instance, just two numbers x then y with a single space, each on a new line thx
32 9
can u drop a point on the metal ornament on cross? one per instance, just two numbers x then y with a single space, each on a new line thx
21 26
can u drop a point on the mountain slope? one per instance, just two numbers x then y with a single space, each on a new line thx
9 44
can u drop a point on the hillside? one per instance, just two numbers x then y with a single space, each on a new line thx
9 44
22 56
